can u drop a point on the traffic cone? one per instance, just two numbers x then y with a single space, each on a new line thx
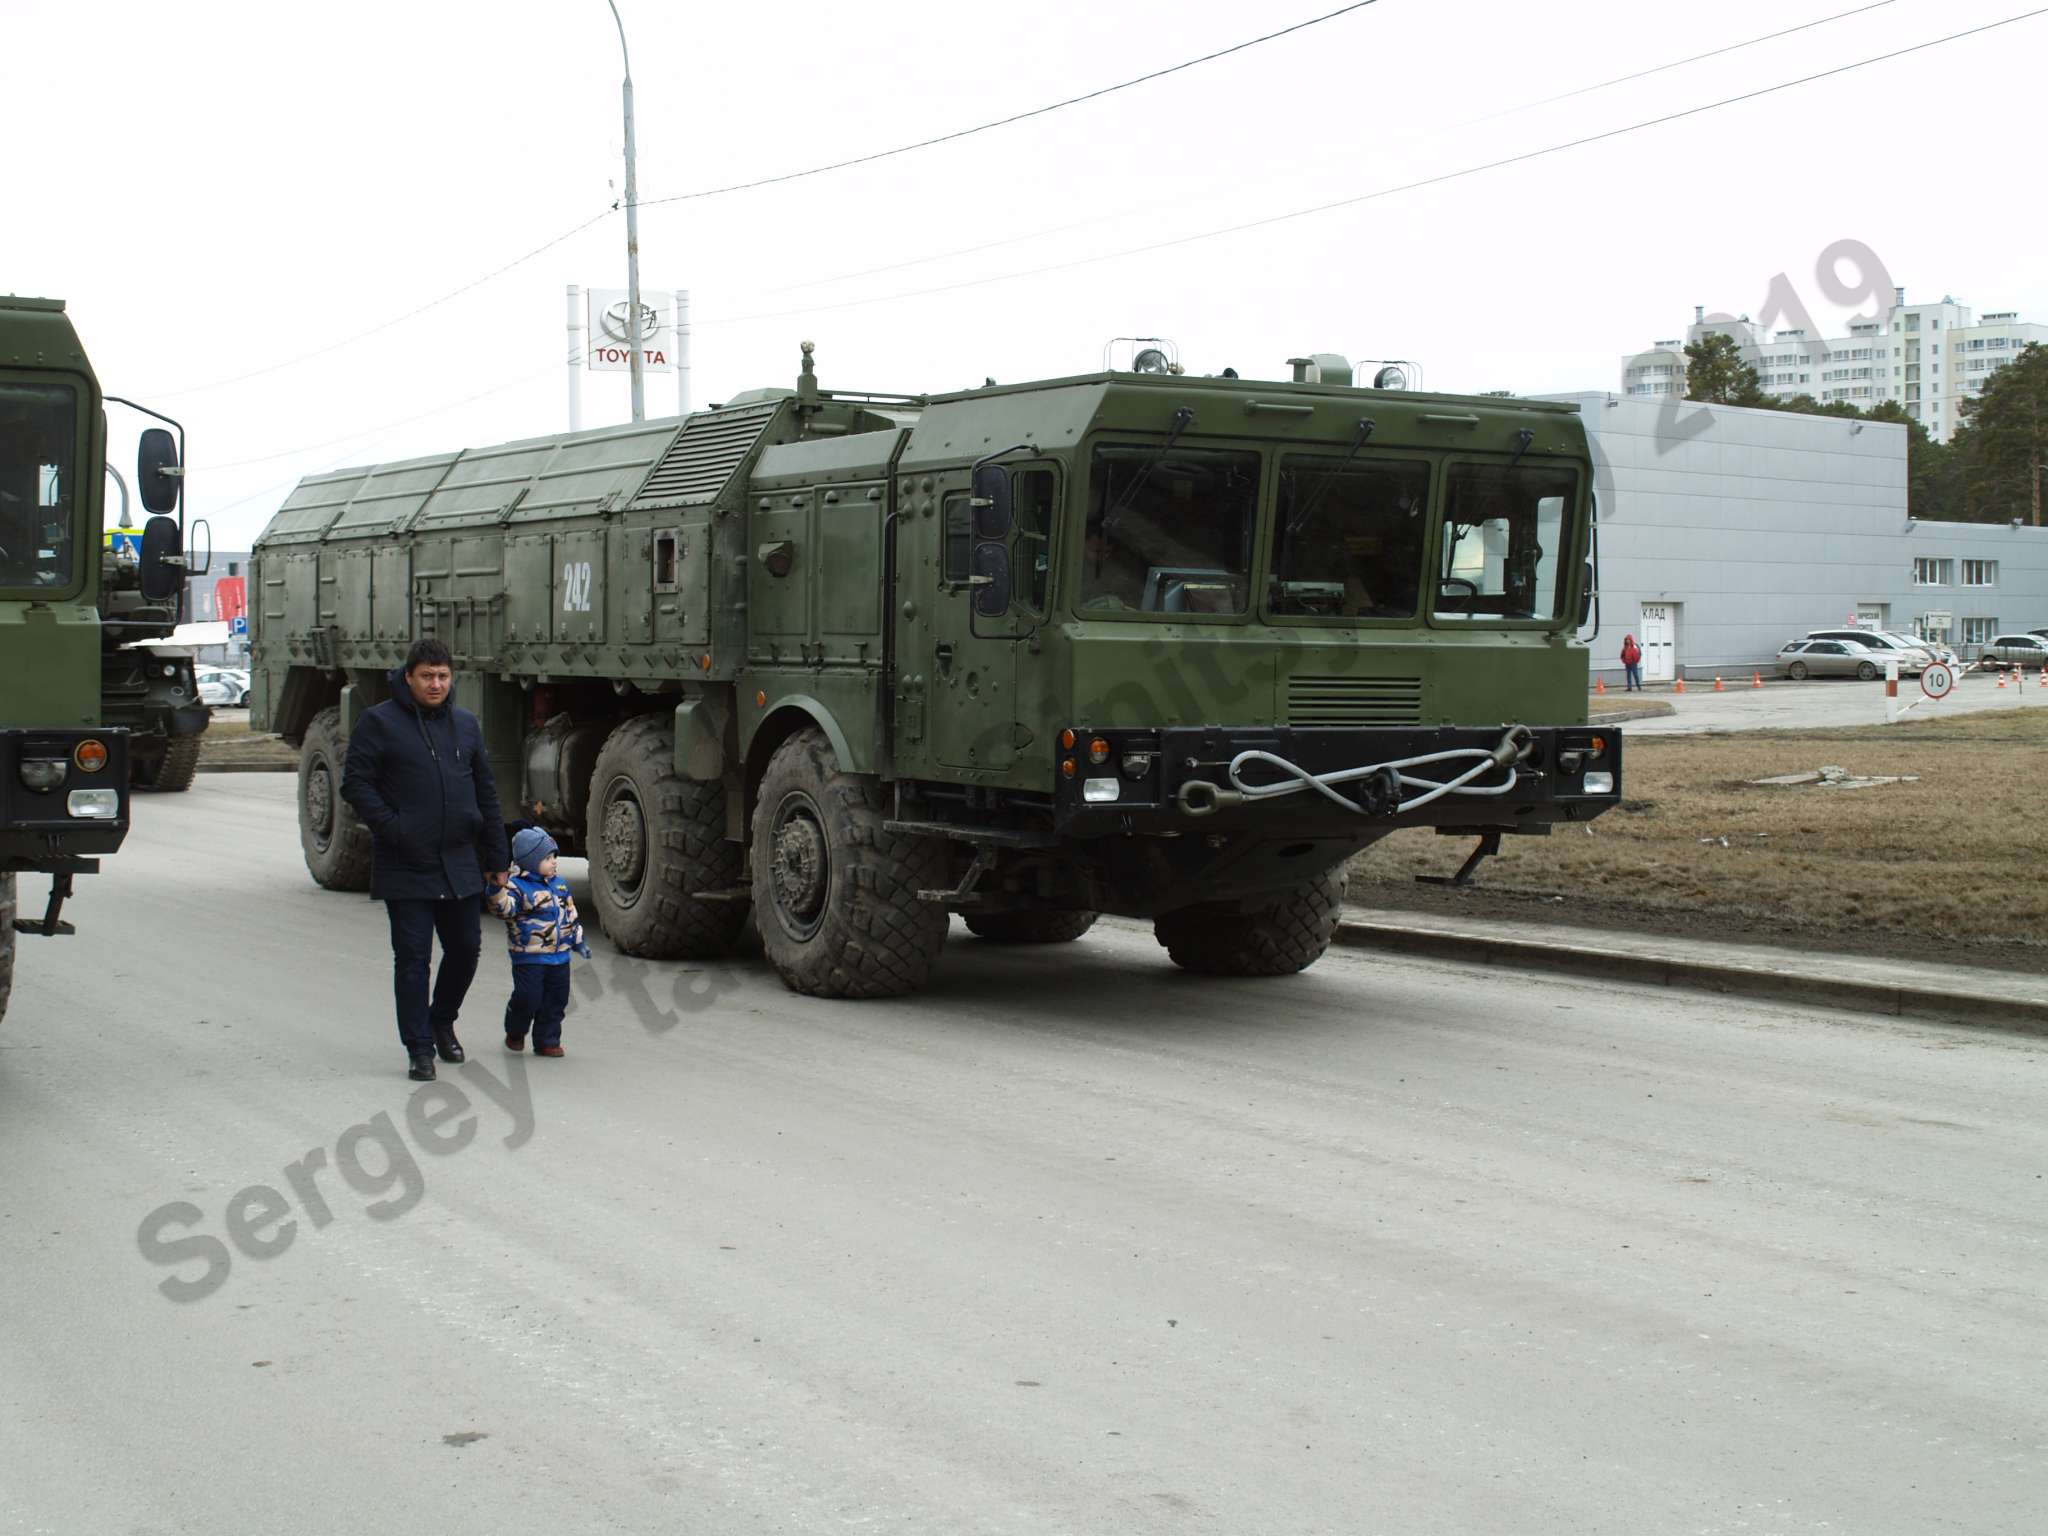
1679 686
2001 679
1600 686
1717 684
1756 679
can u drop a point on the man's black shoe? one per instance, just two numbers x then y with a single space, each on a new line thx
449 1047
422 1068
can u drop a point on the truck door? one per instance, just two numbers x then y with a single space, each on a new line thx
995 561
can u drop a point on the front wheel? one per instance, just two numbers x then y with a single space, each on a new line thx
335 840
173 771
835 892
657 848
1271 936
1028 927
1797 671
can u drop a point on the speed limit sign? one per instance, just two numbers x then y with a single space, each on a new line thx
1937 680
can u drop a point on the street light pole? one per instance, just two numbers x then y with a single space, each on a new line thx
633 337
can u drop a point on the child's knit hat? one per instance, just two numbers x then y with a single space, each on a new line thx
530 845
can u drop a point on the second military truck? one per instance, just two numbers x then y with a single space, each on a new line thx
1148 644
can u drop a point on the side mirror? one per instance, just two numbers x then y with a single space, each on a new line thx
163 567
157 471
991 502
197 564
991 580
1586 598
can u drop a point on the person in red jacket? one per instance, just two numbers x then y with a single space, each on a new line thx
1631 664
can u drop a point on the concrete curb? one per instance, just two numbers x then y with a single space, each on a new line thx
1903 1000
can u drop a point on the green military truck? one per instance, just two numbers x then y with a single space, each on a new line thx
63 770
1148 644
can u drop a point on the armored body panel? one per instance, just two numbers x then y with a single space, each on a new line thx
1164 646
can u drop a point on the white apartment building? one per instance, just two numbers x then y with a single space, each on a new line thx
1928 357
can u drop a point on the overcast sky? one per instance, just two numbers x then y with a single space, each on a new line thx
218 187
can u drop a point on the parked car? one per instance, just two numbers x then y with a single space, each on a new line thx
1829 658
223 687
1914 655
2025 650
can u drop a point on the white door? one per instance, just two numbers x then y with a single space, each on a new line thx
1659 640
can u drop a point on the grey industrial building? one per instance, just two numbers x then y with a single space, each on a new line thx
1726 531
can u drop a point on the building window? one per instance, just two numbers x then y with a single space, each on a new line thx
1930 572
1979 631
1980 573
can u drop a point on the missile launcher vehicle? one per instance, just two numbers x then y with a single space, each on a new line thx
1168 647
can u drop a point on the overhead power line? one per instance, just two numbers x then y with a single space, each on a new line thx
816 170
1015 117
1383 192
1470 122
1658 69
411 314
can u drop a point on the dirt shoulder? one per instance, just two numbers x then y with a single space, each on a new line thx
229 746
1945 864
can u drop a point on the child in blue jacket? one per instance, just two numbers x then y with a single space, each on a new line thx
540 919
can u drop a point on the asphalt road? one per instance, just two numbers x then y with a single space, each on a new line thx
1072 1243
1822 701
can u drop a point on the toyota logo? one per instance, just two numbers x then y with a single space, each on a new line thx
613 321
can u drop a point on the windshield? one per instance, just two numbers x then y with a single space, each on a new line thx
38 436
1169 533
1507 529
1348 537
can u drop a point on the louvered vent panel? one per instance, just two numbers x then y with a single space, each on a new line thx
1316 700
698 464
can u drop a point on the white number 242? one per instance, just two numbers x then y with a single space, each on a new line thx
576 586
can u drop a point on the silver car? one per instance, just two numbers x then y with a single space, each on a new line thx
1829 658
1914 655
2029 651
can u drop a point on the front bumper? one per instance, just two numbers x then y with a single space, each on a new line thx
1178 780
38 827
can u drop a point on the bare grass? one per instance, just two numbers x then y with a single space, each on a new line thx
1950 864
229 746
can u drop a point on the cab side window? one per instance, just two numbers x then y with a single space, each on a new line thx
959 536
1034 500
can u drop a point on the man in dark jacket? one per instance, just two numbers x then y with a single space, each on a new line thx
418 775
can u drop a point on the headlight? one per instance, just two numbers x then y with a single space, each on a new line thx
42 773
1098 791
94 804
1598 783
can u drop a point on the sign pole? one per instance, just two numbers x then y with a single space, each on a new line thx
682 340
575 359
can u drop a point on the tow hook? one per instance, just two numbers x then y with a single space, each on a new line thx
1514 747
1198 797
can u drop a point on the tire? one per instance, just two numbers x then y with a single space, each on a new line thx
1275 937
6 939
332 836
836 896
243 701
1797 672
1866 671
1029 927
171 773
655 839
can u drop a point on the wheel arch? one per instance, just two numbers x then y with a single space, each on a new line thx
790 715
